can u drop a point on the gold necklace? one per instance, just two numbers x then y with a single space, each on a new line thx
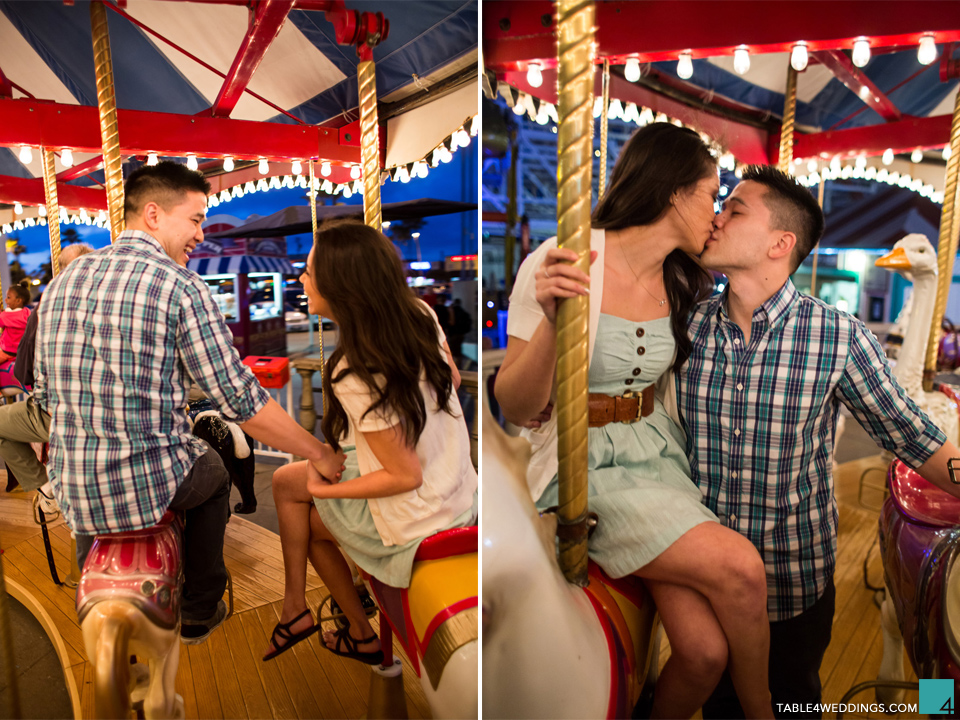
660 301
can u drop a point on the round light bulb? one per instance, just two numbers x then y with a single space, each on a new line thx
42 211
861 52
228 164
799 57
631 71
685 66
887 156
26 154
861 161
916 156
152 159
812 166
17 208
325 169
66 157
946 152
347 192
741 60
927 52
296 168
264 166
192 162
355 172
534 75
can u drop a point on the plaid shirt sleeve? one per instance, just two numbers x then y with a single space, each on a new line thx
206 349
871 392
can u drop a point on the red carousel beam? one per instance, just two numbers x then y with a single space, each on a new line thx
53 125
901 136
858 83
85 168
269 18
29 191
515 33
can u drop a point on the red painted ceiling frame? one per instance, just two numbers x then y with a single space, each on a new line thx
515 33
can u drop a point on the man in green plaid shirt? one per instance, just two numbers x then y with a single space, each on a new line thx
759 399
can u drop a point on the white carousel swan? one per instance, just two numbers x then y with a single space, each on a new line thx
914 257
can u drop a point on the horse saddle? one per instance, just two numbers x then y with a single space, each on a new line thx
140 567
920 501
437 614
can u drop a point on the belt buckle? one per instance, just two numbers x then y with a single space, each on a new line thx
628 395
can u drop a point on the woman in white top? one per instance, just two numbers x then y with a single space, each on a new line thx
392 390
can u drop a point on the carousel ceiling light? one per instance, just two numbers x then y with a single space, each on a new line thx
66 157
861 161
264 166
861 52
835 163
799 57
228 164
42 211
17 209
916 156
741 60
534 75
152 159
631 71
887 156
445 154
812 166
946 152
685 65
615 111
325 169
465 136
192 162
927 52
519 109
474 125
347 192
296 168
355 172
26 154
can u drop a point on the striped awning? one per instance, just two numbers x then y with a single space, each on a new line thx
240 264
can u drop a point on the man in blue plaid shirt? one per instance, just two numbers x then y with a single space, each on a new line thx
759 399
122 333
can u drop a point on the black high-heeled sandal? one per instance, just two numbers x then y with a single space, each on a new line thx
282 632
350 647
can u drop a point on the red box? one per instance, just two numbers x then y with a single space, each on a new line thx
272 372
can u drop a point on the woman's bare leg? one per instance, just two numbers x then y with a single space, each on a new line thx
725 567
294 505
698 650
333 569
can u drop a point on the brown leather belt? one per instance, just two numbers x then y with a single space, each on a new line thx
626 408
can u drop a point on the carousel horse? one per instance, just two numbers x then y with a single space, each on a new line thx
128 602
543 637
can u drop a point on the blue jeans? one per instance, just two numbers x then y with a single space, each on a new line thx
204 498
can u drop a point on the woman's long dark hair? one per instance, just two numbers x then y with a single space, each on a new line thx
658 161
384 329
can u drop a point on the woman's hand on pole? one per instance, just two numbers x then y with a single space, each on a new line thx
558 278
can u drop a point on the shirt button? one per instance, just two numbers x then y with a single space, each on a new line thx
739 386
737 432
733 520
736 341
640 332
628 381
735 474
636 371
640 351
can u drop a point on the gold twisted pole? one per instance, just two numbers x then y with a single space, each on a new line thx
575 77
789 120
369 143
109 133
604 120
53 208
313 222
946 249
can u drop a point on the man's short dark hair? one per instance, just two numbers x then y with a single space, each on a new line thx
165 183
792 208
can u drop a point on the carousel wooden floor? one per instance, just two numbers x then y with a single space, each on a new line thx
856 644
224 677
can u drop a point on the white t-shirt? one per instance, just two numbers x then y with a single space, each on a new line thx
449 479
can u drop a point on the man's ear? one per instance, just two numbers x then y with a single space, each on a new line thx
151 215
784 245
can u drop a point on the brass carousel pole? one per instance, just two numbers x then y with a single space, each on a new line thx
946 250
604 120
575 77
109 133
789 119
53 208
369 138
313 223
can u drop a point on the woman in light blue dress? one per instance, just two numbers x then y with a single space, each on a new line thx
708 581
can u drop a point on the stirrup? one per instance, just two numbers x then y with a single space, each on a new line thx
337 617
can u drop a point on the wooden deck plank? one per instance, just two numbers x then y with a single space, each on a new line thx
184 684
281 705
227 686
244 661
87 702
204 681
293 677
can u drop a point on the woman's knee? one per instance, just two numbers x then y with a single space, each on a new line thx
703 657
289 481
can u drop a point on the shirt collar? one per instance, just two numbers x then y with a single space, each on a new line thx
774 310
129 235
